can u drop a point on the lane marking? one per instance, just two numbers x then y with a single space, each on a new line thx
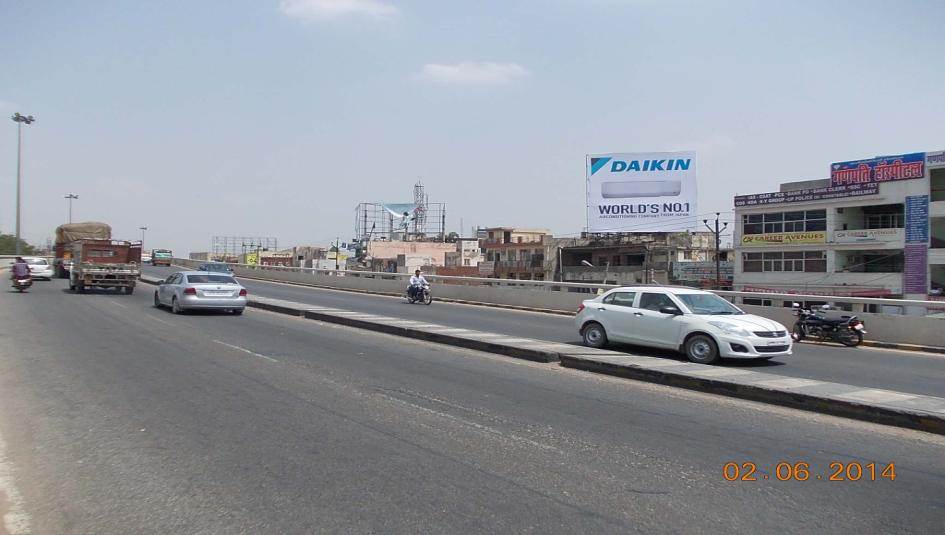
16 521
159 320
244 350
117 304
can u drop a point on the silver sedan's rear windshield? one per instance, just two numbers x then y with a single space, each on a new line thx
210 279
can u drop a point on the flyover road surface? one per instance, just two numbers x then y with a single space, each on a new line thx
903 371
117 417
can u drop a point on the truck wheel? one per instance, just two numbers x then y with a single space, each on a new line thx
81 288
129 290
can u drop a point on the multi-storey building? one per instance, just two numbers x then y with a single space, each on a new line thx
876 228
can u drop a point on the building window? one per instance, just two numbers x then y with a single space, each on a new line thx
815 261
799 261
798 221
753 224
687 255
751 263
816 220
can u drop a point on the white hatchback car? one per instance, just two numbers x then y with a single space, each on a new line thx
697 323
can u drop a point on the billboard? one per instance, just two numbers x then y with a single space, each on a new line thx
876 235
806 195
641 192
879 169
785 238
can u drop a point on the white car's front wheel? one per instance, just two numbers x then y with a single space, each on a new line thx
594 335
701 349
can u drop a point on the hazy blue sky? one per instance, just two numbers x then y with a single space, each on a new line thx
269 117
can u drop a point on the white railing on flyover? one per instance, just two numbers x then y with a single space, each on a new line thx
577 287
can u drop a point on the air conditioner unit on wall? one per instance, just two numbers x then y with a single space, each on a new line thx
642 188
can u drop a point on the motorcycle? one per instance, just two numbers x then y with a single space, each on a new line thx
21 284
848 331
420 295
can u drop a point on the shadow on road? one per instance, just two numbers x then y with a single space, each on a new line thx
673 355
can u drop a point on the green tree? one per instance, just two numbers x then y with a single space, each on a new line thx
8 245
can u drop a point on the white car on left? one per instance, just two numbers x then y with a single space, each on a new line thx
40 268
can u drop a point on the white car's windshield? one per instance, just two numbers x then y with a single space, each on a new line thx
708 304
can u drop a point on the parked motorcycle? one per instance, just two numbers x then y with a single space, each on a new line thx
421 295
847 331
22 284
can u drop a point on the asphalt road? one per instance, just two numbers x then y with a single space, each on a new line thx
116 417
904 371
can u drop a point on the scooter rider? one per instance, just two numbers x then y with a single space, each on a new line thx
417 282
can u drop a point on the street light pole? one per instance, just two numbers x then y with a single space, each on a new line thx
142 229
70 197
718 238
19 119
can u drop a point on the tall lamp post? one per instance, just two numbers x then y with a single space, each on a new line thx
19 119
69 197
142 229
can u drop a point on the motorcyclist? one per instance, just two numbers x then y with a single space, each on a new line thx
417 282
20 269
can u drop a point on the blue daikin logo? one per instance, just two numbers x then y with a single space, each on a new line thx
620 166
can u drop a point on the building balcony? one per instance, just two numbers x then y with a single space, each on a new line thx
519 265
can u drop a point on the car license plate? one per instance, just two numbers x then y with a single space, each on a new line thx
217 294
775 343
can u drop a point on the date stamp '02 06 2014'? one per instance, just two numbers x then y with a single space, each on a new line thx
801 471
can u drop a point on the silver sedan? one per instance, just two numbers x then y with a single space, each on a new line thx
192 290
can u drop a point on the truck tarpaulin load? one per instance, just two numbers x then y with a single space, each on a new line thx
104 264
71 232
161 257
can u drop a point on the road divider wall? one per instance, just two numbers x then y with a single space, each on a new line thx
910 332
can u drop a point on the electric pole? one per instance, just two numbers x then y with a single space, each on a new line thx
718 238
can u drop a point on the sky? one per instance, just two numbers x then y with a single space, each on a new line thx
277 117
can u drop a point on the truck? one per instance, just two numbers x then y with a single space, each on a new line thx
104 264
161 257
71 232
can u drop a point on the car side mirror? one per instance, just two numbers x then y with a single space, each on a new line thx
670 310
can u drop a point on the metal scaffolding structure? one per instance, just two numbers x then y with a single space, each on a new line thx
420 220
231 248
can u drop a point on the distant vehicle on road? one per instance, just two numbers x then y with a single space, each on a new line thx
204 290
699 324
215 267
40 268
161 257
